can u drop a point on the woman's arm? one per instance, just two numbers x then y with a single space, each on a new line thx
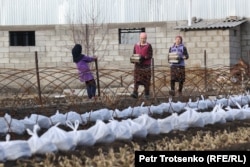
185 53
89 59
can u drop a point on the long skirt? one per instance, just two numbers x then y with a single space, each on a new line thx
178 73
142 76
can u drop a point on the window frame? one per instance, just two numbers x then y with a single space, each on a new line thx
129 30
22 38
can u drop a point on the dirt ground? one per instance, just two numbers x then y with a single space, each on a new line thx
93 150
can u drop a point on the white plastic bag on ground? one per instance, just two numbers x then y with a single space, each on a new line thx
101 132
207 118
93 116
241 99
246 111
115 113
247 97
198 104
124 113
192 104
178 106
165 107
191 117
60 138
176 124
72 116
15 149
150 124
28 123
156 109
58 118
4 126
15 125
38 145
202 104
120 129
139 110
101 114
217 116
41 120
232 101
227 115
137 130
222 101
2 154
210 103
80 137
237 113
165 124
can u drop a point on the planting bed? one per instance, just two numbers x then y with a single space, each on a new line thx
84 156
233 135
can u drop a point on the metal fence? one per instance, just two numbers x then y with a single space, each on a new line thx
46 90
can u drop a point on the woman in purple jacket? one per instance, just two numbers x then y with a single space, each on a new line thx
85 74
178 69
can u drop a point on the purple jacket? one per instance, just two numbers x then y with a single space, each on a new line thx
182 51
84 71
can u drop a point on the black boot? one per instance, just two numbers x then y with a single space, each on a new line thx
134 95
172 92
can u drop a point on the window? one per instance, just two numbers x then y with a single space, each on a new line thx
22 38
129 35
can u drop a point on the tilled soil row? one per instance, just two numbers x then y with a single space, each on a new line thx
228 136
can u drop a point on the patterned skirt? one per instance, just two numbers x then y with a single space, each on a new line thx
142 75
178 73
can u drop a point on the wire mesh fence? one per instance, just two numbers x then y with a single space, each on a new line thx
51 89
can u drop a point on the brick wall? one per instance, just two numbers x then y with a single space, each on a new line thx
245 40
54 43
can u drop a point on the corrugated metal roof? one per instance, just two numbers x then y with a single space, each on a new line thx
47 12
213 24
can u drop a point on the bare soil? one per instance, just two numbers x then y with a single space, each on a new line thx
93 150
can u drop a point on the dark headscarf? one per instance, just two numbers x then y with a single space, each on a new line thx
77 53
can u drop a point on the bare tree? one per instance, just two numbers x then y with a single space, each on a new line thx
89 30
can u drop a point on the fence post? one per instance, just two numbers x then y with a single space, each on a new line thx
248 70
121 81
153 76
97 77
38 79
205 64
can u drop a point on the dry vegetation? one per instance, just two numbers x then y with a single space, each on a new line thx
229 136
